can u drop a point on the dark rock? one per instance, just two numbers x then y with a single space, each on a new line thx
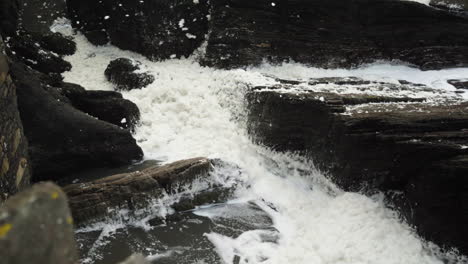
15 170
122 73
135 190
37 16
97 37
416 149
58 43
36 225
61 138
108 106
27 49
9 15
459 84
333 33
156 29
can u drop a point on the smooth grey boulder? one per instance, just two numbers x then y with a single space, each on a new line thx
36 226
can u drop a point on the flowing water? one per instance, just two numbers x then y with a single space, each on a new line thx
283 211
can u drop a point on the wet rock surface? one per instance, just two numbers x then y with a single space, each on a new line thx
107 106
180 238
100 198
368 141
156 29
15 171
36 225
63 139
124 74
37 16
27 48
335 33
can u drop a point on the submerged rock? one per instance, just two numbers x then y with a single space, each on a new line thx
63 139
156 29
369 141
36 225
122 72
335 33
15 169
100 198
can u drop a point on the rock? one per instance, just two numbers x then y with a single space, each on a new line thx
58 43
97 37
459 84
415 149
9 10
333 33
36 225
96 199
156 29
27 49
37 16
61 138
108 106
122 72
15 170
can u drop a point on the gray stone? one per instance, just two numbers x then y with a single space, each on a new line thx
36 226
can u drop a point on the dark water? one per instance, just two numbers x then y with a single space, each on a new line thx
178 239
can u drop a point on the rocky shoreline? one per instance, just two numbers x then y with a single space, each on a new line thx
404 139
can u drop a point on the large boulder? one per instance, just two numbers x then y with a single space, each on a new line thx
63 139
335 33
376 136
124 74
158 29
14 160
100 198
36 226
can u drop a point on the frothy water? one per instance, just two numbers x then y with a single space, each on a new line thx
192 111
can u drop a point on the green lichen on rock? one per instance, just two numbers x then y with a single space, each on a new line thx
35 226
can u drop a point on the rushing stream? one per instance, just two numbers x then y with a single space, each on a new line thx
283 211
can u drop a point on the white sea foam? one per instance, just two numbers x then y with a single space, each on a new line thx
197 111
